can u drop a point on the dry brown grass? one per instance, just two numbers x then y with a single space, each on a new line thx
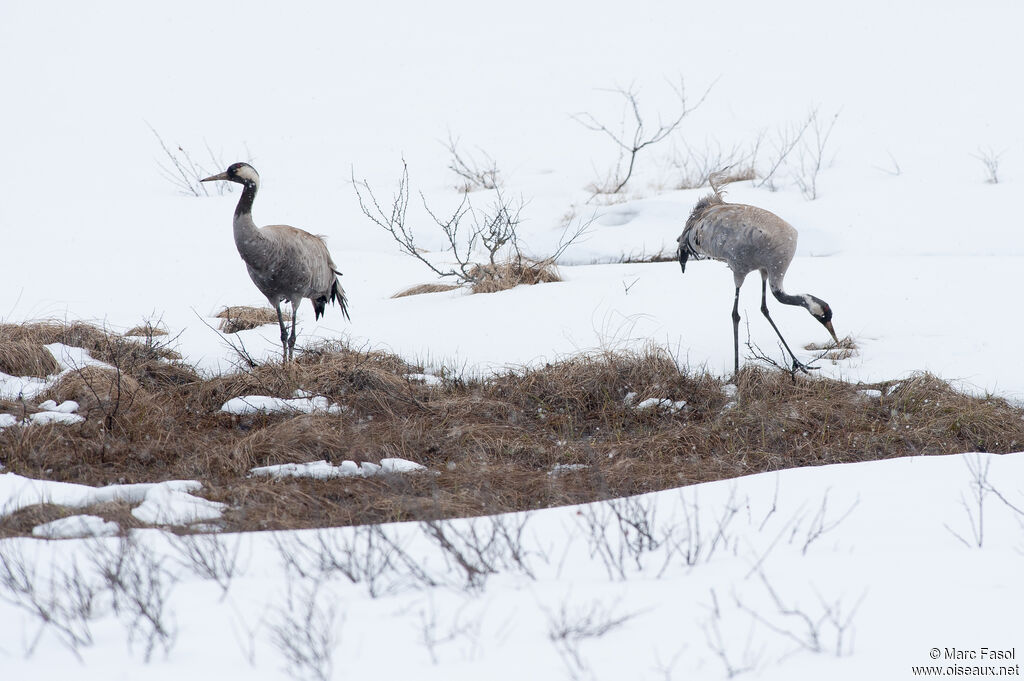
420 289
503 276
146 330
490 443
491 278
845 343
26 358
95 388
237 318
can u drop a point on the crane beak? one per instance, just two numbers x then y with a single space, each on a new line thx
220 176
828 325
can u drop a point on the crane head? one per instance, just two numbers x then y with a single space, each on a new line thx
820 310
242 173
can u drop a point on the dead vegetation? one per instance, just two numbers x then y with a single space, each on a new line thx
25 358
482 246
235 318
421 289
561 433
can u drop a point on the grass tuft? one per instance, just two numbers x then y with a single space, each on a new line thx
237 318
421 289
491 278
26 358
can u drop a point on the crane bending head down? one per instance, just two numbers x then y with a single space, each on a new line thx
748 238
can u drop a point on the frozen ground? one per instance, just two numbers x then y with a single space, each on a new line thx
917 255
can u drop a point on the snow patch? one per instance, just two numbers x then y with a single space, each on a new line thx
322 470
52 413
76 526
251 404
166 503
171 506
662 403
429 379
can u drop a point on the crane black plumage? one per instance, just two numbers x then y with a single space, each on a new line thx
747 238
285 263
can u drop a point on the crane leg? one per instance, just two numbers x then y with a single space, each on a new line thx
291 340
284 331
736 332
797 364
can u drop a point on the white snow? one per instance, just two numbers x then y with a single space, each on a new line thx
166 505
917 255
250 404
160 503
76 526
871 553
662 403
324 470
429 379
51 413
65 407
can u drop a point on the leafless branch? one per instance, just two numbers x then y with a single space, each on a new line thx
477 173
812 155
990 159
640 138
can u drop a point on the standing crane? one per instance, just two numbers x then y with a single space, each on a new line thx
285 263
747 238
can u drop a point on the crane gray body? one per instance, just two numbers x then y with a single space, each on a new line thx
285 263
748 238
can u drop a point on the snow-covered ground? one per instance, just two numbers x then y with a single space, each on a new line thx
843 572
917 255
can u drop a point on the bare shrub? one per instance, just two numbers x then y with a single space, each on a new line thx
819 523
210 556
570 627
63 600
141 587
735 164
480 547
990 160
695 542
304 631
434 633
631 143
367 554
825 627
185 173
620 532
735 662
476 173
812 156
235 318
973 502
469 233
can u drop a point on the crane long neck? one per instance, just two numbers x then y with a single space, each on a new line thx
247 236
244 206
787 299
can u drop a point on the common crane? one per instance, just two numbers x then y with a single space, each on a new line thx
285 263
747 238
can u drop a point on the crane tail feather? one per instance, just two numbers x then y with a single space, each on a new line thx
336 295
